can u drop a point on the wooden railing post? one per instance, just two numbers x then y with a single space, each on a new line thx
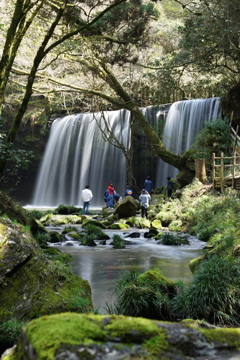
213 170
222 172
233 169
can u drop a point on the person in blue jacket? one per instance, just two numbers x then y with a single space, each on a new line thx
148 185
107 199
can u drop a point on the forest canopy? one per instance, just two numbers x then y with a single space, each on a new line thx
87 56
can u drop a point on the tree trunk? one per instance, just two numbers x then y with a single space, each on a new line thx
200 170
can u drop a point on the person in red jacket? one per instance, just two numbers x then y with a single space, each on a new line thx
111 194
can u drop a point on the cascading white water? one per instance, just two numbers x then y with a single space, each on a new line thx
77 155
184 121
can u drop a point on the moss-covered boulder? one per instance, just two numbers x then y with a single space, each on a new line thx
128 207
31 284
15 212
55 237
156 224
158 281
56 220
119 226
81 336
90 221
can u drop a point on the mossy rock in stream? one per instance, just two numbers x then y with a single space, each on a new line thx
82 336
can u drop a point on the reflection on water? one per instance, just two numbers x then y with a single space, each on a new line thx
102 265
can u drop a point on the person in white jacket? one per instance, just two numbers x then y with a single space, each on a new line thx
144 198
86 198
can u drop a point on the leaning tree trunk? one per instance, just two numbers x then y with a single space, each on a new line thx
184 162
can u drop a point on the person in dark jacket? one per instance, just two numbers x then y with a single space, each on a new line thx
148 185
169 187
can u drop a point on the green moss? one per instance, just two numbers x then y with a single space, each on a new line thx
157 344
194 263
155 276
156 224
223 335
43 287
46 334
120 226
128 328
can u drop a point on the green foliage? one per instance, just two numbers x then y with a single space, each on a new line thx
37 214
42 238
170 239
213 295
215 137
66 210
57 255
88 240
19 159
9 332
145 295
118 242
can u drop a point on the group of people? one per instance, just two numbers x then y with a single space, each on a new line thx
111 197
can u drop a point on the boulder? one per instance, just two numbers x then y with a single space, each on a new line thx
128 207
119 226
31 284
105 337
15 212
156 224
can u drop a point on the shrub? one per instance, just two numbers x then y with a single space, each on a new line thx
88 240
213 295
66 210
170 239
42 238
91 229
37 214
9 332
146 295
118 242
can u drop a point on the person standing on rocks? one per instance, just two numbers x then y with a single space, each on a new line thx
111 191
144 198
86 198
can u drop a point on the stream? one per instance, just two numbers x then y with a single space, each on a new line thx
102 265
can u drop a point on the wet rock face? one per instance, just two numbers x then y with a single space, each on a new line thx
231 104
81 336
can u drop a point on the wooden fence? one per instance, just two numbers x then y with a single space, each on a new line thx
226 171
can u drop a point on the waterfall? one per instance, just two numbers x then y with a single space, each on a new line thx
77 154
184 121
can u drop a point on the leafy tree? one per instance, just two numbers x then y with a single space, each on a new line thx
215 137
99 42
97 52
209 40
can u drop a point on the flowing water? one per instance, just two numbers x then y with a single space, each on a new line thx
102 265
184 121
78 153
